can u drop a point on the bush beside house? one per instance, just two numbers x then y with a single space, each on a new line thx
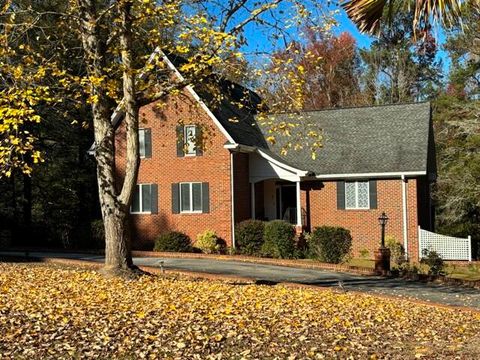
249 237
173 241
279 238
330 244
208 242
397 251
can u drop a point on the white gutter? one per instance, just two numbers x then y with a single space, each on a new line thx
372 175
405 215
240 147
252 199
232 200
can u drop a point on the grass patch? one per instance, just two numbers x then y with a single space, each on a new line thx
365 263
51 312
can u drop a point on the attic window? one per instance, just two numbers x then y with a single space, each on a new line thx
190 137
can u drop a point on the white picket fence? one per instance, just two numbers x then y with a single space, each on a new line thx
448 247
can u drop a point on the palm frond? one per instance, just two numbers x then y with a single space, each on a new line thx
367 14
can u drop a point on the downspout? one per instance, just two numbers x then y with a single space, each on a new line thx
232 200
405 217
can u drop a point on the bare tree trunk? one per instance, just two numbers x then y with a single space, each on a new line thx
114 205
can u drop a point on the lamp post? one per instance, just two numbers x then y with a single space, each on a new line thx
382 255
382 220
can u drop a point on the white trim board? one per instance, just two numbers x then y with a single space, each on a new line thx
118 112
196 97
372 175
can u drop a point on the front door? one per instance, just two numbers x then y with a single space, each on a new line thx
286 203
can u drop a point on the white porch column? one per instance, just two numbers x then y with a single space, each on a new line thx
252 197
299 205
405 215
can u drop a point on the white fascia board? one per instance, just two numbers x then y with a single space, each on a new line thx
372 175
196 97
267 157
240 148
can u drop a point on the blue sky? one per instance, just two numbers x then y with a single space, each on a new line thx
256 41
345 24
364 41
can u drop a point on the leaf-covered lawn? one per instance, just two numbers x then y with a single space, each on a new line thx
53 312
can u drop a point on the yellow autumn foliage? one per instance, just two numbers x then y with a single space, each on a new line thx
51 312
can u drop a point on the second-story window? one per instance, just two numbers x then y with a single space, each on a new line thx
190 139
145 143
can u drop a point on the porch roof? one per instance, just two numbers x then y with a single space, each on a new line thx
361 140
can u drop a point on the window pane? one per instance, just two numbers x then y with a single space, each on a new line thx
197 196
146 198
350 195
363 195
185 197
136 199
141 142
190 139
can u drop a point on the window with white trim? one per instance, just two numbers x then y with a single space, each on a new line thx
142 199
357 195
190 139
191 197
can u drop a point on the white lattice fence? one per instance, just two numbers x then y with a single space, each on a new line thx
448 247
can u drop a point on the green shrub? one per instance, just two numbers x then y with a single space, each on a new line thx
397 251
364 253
279 238
330 244
208 242
173 241
249 237
434 262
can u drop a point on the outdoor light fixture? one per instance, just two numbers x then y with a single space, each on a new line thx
382 255
382 220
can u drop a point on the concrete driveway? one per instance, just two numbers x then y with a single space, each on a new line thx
447 295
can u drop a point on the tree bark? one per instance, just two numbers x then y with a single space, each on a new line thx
114 205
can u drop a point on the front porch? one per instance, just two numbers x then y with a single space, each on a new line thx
280 192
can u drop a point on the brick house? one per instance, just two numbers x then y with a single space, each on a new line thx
373 159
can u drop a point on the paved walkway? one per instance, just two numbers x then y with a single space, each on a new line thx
447 295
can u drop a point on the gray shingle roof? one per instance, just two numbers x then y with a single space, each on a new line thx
378 139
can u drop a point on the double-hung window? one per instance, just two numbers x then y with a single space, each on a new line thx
144 199
357 195
191 197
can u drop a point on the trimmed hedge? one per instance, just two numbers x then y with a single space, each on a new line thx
249 237
173 241
279 238
329 244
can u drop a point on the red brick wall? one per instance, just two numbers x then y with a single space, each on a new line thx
363 224
242 187
165 168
